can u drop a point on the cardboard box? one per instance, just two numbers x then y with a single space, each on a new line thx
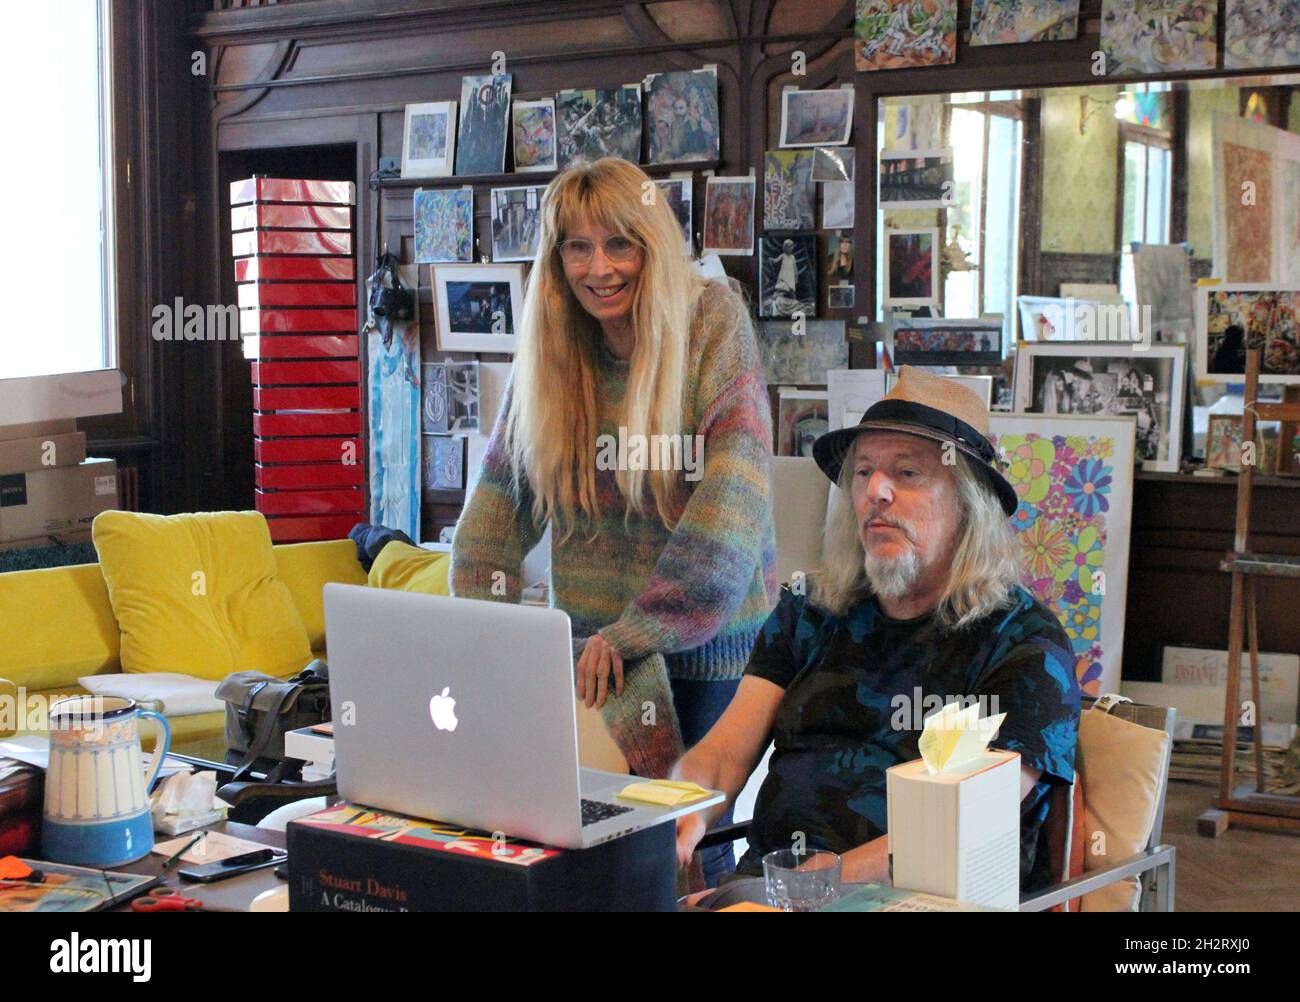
22 455
56 499
10 432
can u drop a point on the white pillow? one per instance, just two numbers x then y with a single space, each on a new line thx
178 695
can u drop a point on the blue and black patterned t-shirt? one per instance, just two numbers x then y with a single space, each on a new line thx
856 690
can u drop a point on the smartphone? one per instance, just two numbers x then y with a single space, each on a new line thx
232 867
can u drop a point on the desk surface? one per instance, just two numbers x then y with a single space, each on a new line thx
233 895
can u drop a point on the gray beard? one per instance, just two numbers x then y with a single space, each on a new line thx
891 579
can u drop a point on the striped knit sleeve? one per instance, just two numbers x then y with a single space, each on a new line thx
496 528
707 567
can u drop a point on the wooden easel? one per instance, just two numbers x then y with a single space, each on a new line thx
1243 806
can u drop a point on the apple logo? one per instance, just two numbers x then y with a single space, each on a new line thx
442 708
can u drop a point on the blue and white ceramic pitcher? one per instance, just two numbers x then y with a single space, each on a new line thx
96 793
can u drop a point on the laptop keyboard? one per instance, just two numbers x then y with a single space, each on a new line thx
596 810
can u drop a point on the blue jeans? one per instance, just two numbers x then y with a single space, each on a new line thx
699 705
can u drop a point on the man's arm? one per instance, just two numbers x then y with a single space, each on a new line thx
869 863
725 757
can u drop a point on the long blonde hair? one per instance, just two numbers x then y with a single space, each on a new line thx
552 425
985 564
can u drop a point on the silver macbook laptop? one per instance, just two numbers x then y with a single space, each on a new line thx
463 711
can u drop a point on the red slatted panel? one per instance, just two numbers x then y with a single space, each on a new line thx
263 215
309 528
297 321
318 423
304 346
303 398
307 450
255 295
295 269
271 189
349 500
246 243
292 373
301 476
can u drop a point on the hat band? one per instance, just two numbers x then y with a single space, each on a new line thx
914 413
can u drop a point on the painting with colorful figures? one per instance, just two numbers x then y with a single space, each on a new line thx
895 34
997 22
1074 478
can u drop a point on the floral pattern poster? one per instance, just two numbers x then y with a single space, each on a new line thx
1074 479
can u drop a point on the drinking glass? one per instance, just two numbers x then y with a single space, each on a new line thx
801 881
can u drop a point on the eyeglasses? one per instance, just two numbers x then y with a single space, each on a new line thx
617 248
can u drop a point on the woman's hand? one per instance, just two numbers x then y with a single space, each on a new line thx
594 666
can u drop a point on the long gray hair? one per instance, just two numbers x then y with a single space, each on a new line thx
985 564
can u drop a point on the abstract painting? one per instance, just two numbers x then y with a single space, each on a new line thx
1157 36
802 354
599 123
788 190
444 225
393 388
444 463
816 117
1248 171
1074 479
893 34
534 134
729 215
837 205
484 122
681 109
1261 33
997 22
1232 318
429 143
911 267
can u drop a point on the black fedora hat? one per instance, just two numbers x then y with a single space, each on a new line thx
932 407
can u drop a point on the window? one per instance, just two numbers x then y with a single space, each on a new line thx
57 181
1146 183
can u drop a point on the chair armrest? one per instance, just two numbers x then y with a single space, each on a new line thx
1049 897
724 834
237 794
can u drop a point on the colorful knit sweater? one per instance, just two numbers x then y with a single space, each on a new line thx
698 594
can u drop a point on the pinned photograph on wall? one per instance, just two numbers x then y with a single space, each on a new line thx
601 122
894 34
839 297
787 269
999 22
1110 379
839 259
802 418
921 341
816 117
444 463
462 398
1158 36
444 225
534 134
788 190
802 351
837 205
917 179
1233 318
911 267
729 215
680 192
429 139
833 163
516 223
484 124
477 306
681 110
434 408
1260 33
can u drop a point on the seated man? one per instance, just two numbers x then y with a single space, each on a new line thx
917 597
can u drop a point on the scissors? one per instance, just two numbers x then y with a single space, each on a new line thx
165 899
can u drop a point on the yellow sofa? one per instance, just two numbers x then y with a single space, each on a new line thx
57 626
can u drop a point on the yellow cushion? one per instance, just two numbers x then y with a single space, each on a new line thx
411 568
198 594
305 568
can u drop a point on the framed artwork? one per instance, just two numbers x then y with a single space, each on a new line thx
998 22
444 463
533 128
839 297
484 124
801 420
1074 478
434 405
1053 318
516 223
837 205
729 215
680 192
895 34
919 341
1097 378
912 267
793 354
681 110
1158 36
1260 34
602 122
788 190
1232 318
787 269
444 225
816 117
916 179
429 139
1223 442
478 306
1245 199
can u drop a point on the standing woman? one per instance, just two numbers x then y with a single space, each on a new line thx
666 573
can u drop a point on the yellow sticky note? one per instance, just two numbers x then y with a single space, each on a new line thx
663 792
